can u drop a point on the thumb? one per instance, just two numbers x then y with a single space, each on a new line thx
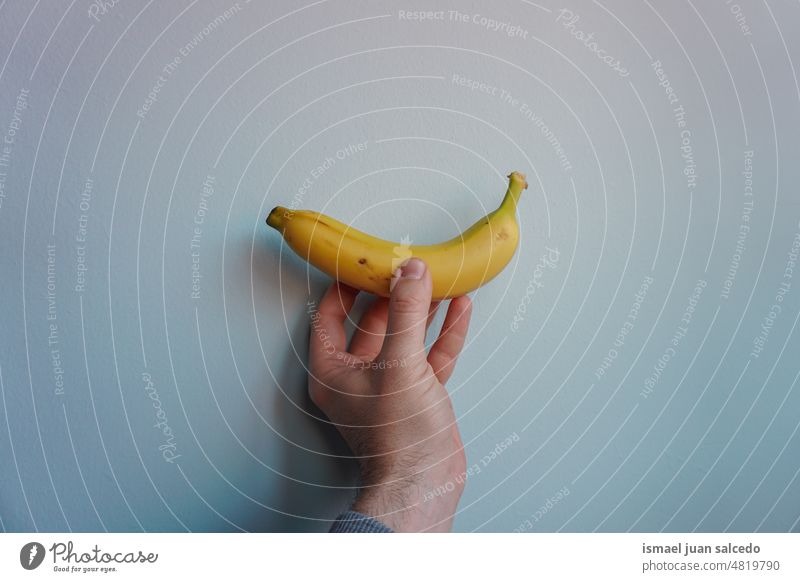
409 302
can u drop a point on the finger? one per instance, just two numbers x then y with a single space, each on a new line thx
368 337
410 300
445 350
327 321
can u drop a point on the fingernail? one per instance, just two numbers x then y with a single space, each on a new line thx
412 269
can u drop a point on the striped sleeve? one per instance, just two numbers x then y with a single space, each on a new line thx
355 522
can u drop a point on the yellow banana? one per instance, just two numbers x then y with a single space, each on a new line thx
457 266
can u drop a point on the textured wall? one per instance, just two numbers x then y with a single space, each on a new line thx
635 366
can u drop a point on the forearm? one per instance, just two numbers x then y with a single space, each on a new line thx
403 506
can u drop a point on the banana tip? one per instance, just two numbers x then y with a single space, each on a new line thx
276 216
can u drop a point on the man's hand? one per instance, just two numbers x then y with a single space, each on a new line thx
387 398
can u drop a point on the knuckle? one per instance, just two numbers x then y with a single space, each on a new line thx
457 336
407 304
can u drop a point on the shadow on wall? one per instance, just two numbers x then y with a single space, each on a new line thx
316 482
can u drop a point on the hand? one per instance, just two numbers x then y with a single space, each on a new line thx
387 398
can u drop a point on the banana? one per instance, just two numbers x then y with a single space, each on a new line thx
457 266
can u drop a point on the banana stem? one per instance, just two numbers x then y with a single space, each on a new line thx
516 184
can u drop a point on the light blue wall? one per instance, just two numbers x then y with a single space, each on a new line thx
265 93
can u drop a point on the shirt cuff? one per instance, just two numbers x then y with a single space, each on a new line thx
355 522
